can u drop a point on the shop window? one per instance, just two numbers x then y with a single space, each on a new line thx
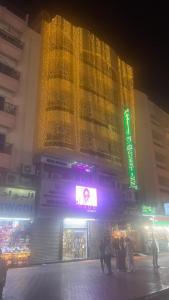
15 241
75 239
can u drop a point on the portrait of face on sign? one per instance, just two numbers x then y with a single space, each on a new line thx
86 196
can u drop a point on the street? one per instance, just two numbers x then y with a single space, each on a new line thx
84 280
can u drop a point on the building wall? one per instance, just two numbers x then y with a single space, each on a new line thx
23 135
83 89
152 150
19 51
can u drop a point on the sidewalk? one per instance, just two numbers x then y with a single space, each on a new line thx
84 281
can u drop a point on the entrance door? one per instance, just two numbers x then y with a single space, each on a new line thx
74 244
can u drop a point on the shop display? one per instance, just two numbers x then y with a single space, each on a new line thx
74 244
14 241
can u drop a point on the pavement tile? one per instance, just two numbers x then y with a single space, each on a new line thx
85 281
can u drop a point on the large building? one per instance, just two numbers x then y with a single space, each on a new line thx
84 88
152 140
66 105
19 71
152 145
84 140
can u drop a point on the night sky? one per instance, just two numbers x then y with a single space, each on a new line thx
139 33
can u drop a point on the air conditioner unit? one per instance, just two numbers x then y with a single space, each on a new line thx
12 179
27 169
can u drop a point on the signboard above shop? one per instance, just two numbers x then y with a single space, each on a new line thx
16 202
148 210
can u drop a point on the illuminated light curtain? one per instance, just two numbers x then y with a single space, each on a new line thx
83 85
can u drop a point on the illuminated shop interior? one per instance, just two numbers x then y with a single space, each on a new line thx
75 238
15 240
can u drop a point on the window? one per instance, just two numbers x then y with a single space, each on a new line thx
159 145
13 40
157 136
7 107
161 167
163 181
160 157
9 71
2 142
164 191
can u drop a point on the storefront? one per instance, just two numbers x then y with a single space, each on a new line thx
73 216
75 239
157 227
129 230
16 217
15 240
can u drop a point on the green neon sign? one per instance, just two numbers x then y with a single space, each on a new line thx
148 210
130 149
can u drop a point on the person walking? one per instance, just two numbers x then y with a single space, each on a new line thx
130 255
102 254
122 255
108 255
116 248
3 273
154 249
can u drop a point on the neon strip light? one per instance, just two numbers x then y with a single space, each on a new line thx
130 150
14 219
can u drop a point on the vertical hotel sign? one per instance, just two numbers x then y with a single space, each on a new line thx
130 149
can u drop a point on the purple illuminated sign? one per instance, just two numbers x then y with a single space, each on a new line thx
86 196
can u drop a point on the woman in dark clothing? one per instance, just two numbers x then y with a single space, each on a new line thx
116 247
122 255
108 255
102 255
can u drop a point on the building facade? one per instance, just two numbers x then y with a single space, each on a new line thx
66 113
19 70
85 98
152 150
152 142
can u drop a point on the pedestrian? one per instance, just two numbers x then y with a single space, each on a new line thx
122 255
3 272
154 249
108 255
116 247
130 255
102 254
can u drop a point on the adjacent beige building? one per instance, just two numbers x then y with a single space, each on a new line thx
19 71
152 145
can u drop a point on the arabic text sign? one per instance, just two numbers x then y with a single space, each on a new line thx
130 149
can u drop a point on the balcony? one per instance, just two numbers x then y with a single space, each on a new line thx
11 39
10 18
9 78
5 156
7 114
9 48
